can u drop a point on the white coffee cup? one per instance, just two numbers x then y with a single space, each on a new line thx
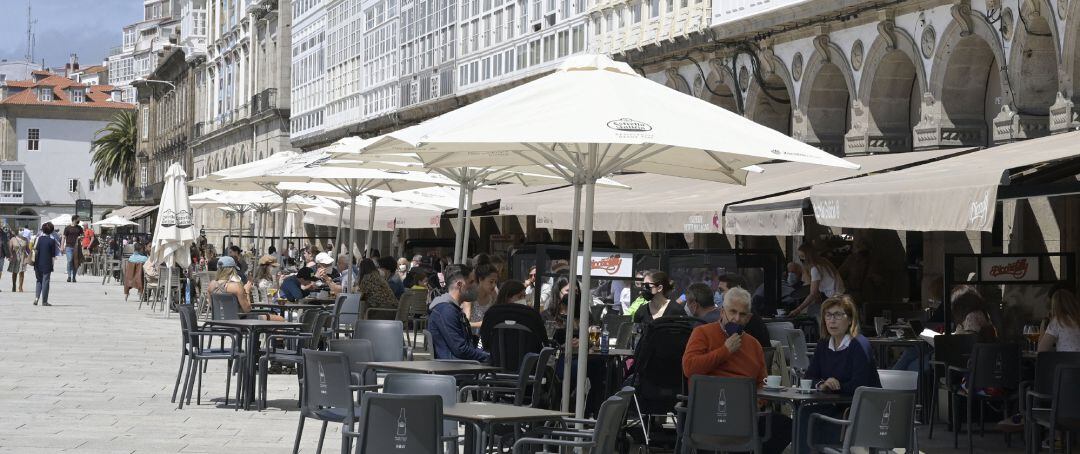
772 381
781 312
806 383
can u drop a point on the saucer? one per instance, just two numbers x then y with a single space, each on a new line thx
769 388
804 390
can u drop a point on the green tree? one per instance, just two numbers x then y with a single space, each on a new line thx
113 150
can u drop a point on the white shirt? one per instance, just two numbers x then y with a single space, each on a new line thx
826 282
844 343
1068 338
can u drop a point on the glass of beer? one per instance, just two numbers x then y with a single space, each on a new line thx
1032 333
594 336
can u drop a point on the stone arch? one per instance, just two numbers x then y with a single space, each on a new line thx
1033 59
825 94
1070 82
966 87
890 91
770 105
721 82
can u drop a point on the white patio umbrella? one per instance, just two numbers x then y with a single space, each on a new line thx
351 181
64 219
114 221
173 234
589 119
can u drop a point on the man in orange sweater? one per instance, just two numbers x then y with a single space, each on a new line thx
712 351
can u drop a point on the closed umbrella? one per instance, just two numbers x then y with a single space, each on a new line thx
173 234
591 118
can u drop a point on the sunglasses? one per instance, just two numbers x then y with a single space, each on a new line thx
647 285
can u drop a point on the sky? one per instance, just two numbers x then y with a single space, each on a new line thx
88 28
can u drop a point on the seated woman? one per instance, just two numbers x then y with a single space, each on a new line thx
376 291
842 362
487 277
228 281
264 277
1063 332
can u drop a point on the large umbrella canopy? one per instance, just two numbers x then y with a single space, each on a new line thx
114 221
62 220
589 119
174 232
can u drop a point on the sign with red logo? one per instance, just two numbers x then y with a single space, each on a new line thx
1010 269
611 264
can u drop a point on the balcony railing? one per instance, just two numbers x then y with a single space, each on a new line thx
264 100
726 11
145 195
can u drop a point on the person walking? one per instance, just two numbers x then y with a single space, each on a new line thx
18 248
46 249
73 235
5 236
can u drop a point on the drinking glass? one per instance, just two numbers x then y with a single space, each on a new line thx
1032 333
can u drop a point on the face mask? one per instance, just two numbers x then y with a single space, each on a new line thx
792 279
732 328
520 301
401 267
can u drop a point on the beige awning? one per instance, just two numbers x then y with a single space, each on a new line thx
955 194
133 212
658 203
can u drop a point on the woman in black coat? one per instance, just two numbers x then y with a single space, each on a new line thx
45 249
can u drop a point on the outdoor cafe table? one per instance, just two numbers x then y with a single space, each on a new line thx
482 415
799 401
287 308
251 328
435 367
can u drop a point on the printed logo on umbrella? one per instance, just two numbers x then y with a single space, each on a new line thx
630 125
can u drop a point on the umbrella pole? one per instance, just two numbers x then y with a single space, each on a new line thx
459 221
168 291
229 235
251 231
352 230
586 300
337 233
283 249
466 232
370 223
569 354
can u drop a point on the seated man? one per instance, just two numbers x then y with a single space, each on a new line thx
451 337
297 286
700 304
722 350
326 277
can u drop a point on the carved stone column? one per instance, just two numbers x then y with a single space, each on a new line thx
936 130
1063 115
1010 126
866 136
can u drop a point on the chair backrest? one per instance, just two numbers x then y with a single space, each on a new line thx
800 356
315 324
954 349
659 377
722 413
609 422
1046 366
995 366
511 342
624 336
882 419
444 386
188 321
415 302
899 380
525 377
396 423
224 306
543 368
326 381
386 336
346 310
778 330
359 352
1066 395
614 322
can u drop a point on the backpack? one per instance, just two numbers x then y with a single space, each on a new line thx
658 363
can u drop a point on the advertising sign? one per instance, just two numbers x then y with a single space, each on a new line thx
84 208
1009 269
609 264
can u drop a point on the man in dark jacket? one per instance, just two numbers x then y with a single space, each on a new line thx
451 336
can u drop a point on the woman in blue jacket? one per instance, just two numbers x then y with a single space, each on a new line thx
46 248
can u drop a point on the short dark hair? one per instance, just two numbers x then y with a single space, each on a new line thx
456 272
235 248
387 263
75 218
306 274
484 270
367 266
701 294
508 289
732 280
47 228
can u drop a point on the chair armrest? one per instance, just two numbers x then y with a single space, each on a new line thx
546 442
828 419
961 370
365 387
572 433
577 420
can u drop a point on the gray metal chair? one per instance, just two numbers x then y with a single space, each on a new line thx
346 312
722 415
879 419
991 366
444 386
415 303
603 438
196 352
1063 415
386 336
360 352
293 344
396 423
800 355
326 395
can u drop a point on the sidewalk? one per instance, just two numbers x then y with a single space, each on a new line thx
94 374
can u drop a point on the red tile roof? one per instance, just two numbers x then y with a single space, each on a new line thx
96 95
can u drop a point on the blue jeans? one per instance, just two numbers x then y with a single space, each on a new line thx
910 360
41 293
70 252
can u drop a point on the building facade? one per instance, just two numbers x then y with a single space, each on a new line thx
47 124
142 41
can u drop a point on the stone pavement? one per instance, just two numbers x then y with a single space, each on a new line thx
94 374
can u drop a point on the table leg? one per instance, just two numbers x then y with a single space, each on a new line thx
796 442
481 437
249 392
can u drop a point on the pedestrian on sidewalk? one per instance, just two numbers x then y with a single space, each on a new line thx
18 257
73 235
5 236
46 249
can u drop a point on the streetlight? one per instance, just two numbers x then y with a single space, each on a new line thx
155 81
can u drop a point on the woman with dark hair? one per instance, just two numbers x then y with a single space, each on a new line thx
562 288
656 286
373 288
45 248
511 292
970 314
487 277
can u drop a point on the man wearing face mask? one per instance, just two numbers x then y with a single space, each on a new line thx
723 349
451 336
699 303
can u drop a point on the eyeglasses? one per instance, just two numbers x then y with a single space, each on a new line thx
835 315
647 285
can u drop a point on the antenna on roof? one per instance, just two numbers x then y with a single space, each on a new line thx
29 32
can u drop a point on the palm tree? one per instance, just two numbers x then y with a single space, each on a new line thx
113 150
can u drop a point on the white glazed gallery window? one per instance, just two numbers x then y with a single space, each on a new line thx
11 183
73 185
33 139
